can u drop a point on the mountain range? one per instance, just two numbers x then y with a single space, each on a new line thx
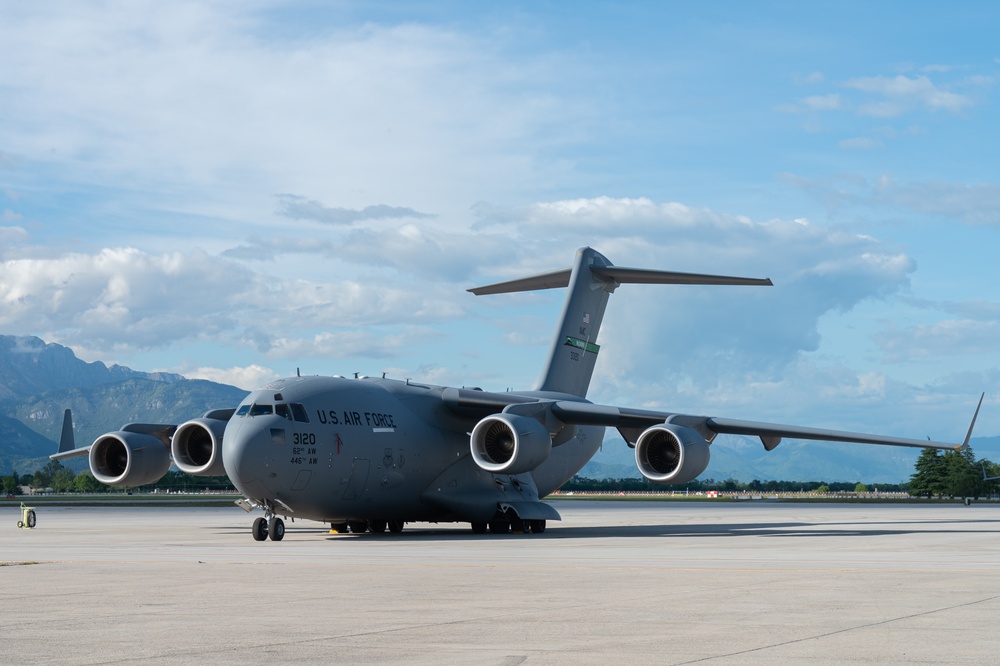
39 380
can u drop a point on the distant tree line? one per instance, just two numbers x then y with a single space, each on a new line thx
61 479
582 483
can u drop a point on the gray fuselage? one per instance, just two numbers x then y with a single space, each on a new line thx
336 449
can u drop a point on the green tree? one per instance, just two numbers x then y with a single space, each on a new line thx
962 474
861 488
928 479
9 485
62 481
43 477
84 482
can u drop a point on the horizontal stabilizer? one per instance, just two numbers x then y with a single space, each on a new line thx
619 274
624 275
551 280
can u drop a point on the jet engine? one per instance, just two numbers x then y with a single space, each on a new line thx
197 444
128 459
668 453
510 444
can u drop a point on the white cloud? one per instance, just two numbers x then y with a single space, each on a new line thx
973 203
859 143
918 90
247 378
822 102
949 337
193 98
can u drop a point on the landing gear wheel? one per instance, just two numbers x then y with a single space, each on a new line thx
518 526
537 526
339 528
276 528
31 519
260 529
479 528
499 526
358 526
396 526
377 526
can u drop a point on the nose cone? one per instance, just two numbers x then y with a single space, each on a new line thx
244 454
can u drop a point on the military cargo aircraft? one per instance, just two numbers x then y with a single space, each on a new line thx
369 454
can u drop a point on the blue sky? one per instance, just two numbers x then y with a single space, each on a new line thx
234 190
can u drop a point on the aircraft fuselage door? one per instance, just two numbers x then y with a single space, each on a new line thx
358 480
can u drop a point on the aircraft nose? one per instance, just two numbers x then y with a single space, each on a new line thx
244 454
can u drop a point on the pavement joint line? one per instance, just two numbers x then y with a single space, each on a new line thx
845 630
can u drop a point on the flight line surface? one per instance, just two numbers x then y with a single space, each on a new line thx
629 582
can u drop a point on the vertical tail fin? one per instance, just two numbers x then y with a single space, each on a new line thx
591 280
66 440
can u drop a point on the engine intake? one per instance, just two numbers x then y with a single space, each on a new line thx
128 459
510 444
669 453
197 447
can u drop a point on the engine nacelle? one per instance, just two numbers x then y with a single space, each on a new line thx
510 444
197 446
128 459
669 453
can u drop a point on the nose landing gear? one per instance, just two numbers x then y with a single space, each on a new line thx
268 526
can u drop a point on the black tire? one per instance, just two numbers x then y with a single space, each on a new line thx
31 519
377 526
339 528
537 526
479 528
396 526
20 524
358 526
260 529
276 529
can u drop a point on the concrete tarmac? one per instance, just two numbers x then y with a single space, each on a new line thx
626 583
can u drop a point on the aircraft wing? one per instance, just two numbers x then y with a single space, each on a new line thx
632 422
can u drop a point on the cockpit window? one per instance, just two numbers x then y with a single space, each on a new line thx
283 411
261 410
300 412
242 411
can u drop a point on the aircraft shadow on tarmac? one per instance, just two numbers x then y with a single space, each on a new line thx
425 532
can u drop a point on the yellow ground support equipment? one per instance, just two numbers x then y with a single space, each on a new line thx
27 517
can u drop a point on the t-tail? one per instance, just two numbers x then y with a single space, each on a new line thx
591 280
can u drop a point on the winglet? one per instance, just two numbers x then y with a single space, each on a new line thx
66 440
972 425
